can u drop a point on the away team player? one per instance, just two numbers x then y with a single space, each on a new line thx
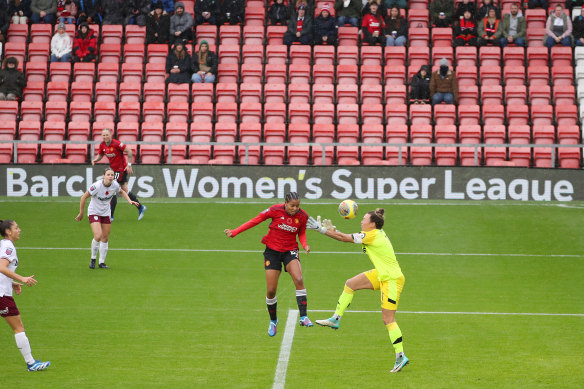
288 220
115 150
8 284
101 193
387 276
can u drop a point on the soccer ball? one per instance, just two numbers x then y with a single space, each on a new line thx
348 209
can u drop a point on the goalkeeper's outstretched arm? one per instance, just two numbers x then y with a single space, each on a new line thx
326 228
338 235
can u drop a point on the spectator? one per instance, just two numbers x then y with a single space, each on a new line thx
157 25
348 12
538 4
381 10
19 11
558 28
397 28
12 80
137 11
299 28
373 26
484 10
233 11
466 5
325 28
4 25
571 4
389 4
465 31
179 66
421 85
442 12
89 11
293 5
278 13
85 44
181 24
61 45
489 31
113 11
167 4
66 11
578 30
204 65
513 27
43 11
444 85
206 11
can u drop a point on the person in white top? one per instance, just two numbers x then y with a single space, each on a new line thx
61 45
101 193
9 284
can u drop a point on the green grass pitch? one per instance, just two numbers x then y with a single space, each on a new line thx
162 317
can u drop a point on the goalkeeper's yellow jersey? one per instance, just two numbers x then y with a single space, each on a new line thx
377 246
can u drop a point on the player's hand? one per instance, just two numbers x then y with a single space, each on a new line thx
316 225
135 203
329 225
16 287
93 163
129 169
29 281
307 249
228 232
79 217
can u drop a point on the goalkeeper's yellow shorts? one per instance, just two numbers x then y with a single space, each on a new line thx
390 289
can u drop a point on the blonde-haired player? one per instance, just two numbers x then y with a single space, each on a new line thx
386 277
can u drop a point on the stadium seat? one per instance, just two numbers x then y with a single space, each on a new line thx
226 112
535 18
467 75
396 114
253 74
52 151
37 72
492 95
323 54
226 92
151 154
514 75
561 56
370 75
132 72
110 53
537 56
470 134
394 75
323 133
230 35
418 56
9 110
55 111
324 74
347 93
153 112
253 54
202 92
516 94
520 156
490 75
514 56
27 153
493 114
562 75
299 74
275 34
441 37
134 53
80 111
274 113
135 34
200 132
112 33
206 32
81 92
569 134
300 54
372 155
251 113
325 113
29 111
395 155
566 115
252 92
38 52
442 52
535 37
371 114
297 93
59 71
176 132
276 54
540 95
57 91
178 93
299 113
18 33
563 94
324 93
106 91
373 94
517 115
255 16
34 91
395 55
249 133
490 56
469 115
419 37
494 134
177 112
444 114
421 134
104 111
348 155
41 33
420 114
83 71
446 134
228 72
468 95
108 72
276 93
347 74
348 36
542 115
298 133
347 55
154 91
130 112
274 133
371 55
224 154
156 53
77 131
538 75
418 18
466 56
570 157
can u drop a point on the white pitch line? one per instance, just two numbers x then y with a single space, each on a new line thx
316 252
466 313
285 348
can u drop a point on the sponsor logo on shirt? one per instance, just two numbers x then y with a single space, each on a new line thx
8 251
110 155
286 227
92 188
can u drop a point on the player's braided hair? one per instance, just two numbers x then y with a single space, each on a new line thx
377 217
291 196
4 226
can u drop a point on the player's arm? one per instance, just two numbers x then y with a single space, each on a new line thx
338 235
4 262
128 199
302 238
326 228
247 225
128 152
97 159
82 206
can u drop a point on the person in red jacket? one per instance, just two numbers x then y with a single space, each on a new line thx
85 44
373 26
288 220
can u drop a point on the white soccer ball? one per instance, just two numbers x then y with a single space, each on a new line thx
348 209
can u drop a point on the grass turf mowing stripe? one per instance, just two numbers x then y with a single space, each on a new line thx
465 313
284 357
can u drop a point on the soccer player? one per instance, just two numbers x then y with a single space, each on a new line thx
9 283
386 276
288 220
115 150
101 193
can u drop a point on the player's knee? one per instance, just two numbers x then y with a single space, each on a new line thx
97 237
298 281
271 293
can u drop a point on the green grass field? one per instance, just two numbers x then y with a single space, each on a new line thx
170 314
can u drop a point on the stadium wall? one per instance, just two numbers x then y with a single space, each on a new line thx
272 182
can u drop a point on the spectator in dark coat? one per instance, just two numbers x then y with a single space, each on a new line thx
19 11
444 84
113 11
84 44
89 11
381 9
157 25
325 27
4 25
571 4
442 13
179 65
578 30
233 11
278 13
168 5
204 64
299 28
484 10
207 11
137 11
466 5
12 80
465 31
348 12
489 30
538 4
397 28
420 92
43 11
181 24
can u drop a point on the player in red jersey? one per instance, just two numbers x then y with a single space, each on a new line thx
288 220
115 150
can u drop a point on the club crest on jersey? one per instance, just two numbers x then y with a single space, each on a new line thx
96 218
296 221
9 251
92 188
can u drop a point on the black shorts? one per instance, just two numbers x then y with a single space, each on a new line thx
273 259
121 177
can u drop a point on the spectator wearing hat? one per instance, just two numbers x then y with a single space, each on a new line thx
179 65
558 28
89 11
167 4
325 28
578 30
466 5
207 11
137 12
571 4
348 12
181 24
66 11
442 12
233 11
12 80
278 13
204 64
420 85
465 31
84 44
483 12
299 28
396 28
61 45
373 26
444 84
43 11
513 27
19 11
381 10
157 25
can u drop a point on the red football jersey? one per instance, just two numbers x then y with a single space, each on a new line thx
283 228
115 154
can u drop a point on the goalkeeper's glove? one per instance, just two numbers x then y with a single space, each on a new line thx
316 225
329 225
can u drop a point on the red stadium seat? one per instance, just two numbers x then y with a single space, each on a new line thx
324 74
202 92
562 75
176 132
276 54
418 18
324 93
564 94
348 36
540 94
230 35
371 55
396 114
134 53
421 134
323 133
252 93
18 33
178 93
299 74
112 33
514 56
493 114
300 54
323 55
490 56
542 114
370 74
251 112
347 94
373 94
561 56
9 110
570 157
228 72
276 93
274 113
37 71
537 56
467 75
468 95
347 74
275 74
469 115
347 55
372 155
490 75
444 114
34 91
569 134
154 91
206 32
419 37
39 52
254 35
466 56
108 72
470 134
566 115
135 34
200 132
226 112
274 133
535 37
249 133
78 131
255 16
27 153
52 151
325 113
81 92
106 91
441 37
83 71
59 72
494 134
250 74
371 114
516 94
57 91
29 111
535 18
56 111
346 114
130 112
517 115
492 95
297 93
132 72
153 112
520 156
395 55
348 155
420 114
514 75
538 75
178 112
110 53
446 134
80 111
226 93
104 111
442 52
156 53
298 133
299 113
275 34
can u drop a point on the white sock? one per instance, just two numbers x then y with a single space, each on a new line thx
102 251
24 347
94 248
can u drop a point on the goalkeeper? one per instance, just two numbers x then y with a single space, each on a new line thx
387 275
